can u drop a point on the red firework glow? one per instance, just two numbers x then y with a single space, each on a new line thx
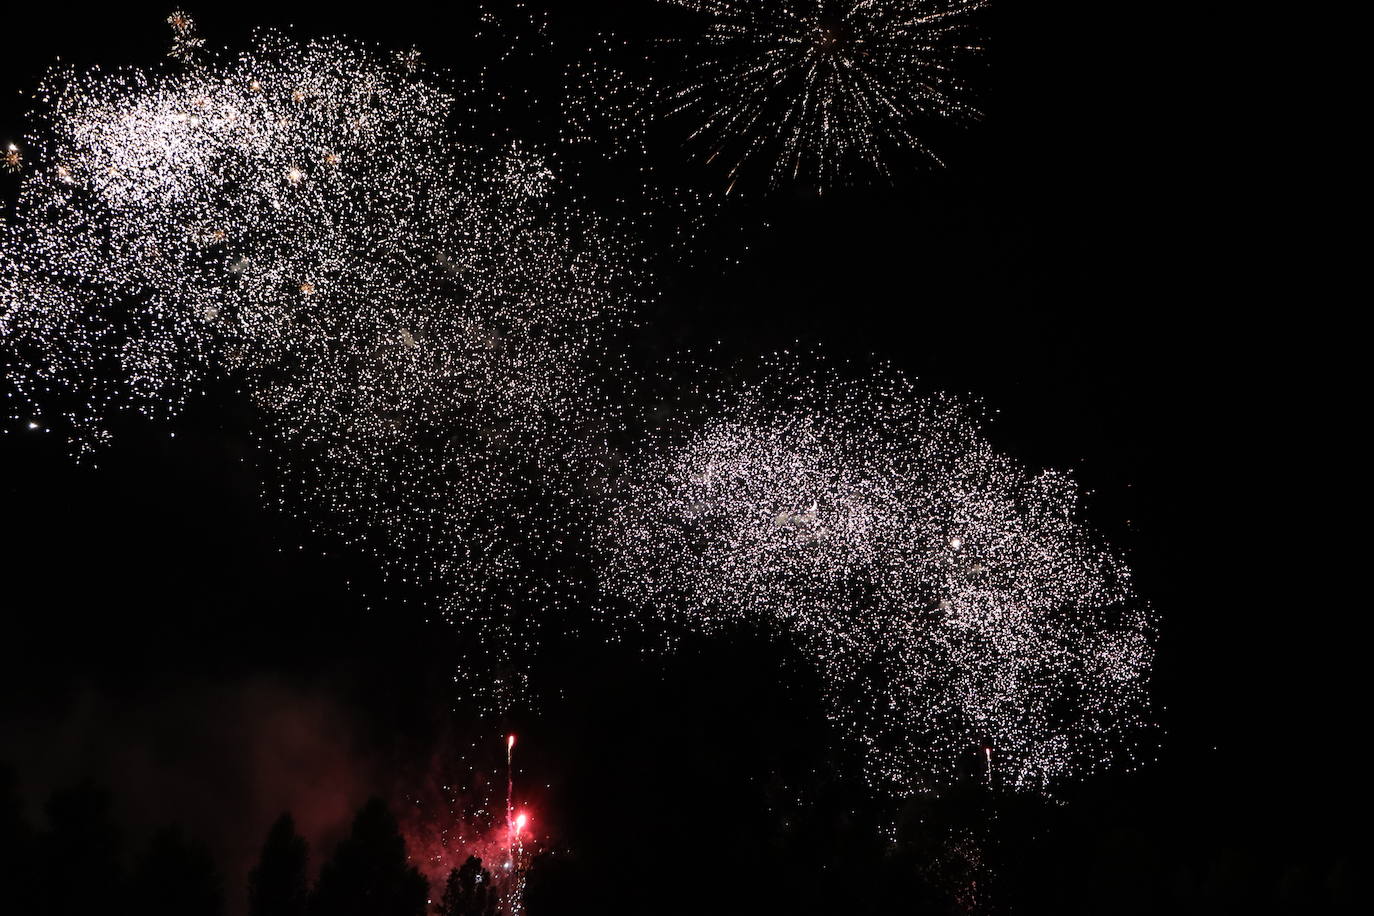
455 814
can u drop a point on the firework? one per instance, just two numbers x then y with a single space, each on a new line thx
820 87
511 828
450 811
948 598
185 41
516 865
412 319
417 323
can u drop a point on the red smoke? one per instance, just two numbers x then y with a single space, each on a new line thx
225 760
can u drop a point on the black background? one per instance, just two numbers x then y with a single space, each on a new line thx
1088 266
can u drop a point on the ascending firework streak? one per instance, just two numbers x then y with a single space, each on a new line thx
511 829
515 825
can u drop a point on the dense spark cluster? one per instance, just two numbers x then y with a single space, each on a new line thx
822 87
417 323
412 320
948 598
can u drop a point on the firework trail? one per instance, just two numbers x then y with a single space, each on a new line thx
516 864
510 797
948 598
823 87
452 811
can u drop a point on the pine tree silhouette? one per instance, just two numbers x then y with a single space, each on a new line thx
369 874
468 891
277 885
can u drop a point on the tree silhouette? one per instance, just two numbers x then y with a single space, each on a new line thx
277 885
176 877
468 891
369 874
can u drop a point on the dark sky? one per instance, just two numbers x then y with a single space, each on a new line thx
1081 267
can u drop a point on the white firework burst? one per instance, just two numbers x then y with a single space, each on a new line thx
819 88
412 320
948 598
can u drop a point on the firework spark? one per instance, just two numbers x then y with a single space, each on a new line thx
451 812
412 319
949 599
416 324
822 86
511 828
186 43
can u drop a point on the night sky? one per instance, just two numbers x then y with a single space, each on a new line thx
1079 268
